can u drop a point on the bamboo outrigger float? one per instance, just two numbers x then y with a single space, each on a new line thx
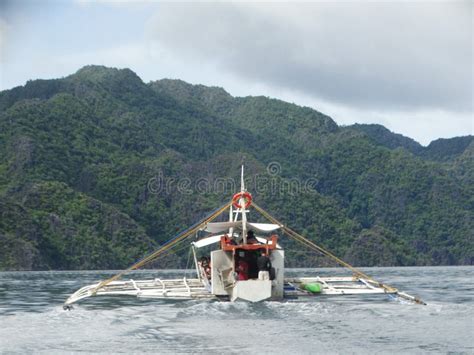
244 267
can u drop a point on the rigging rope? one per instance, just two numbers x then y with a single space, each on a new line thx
310 244
168 245
316 247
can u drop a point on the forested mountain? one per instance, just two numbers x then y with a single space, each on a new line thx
98 168
438 150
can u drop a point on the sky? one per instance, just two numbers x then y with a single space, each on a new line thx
407 65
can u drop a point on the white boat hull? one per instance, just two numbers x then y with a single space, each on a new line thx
251 290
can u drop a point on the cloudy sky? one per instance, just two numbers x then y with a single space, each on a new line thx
406 65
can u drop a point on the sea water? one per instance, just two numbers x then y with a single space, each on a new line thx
32 319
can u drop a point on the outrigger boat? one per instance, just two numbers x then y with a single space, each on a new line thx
248 264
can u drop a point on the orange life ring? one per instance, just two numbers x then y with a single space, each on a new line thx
247 197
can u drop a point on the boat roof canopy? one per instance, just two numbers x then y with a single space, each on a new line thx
217 227
217 238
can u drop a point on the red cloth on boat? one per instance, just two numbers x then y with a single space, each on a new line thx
243 270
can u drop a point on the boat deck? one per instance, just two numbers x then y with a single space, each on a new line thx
195 289
334 286
155 288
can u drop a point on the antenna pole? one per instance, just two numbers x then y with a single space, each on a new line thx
231 219
242 204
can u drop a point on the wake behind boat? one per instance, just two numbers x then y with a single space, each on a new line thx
246 262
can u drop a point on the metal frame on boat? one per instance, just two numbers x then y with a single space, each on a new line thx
234 269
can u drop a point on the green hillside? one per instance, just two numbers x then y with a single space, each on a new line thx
98 168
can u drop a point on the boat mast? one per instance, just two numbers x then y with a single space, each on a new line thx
242 203
231 219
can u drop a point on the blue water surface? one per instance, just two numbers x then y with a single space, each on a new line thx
32 319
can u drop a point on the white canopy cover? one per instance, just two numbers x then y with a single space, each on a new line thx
217 227
216 238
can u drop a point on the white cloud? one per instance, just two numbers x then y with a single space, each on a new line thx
126 3
4 28
3 38
408 66
393 56
421 125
